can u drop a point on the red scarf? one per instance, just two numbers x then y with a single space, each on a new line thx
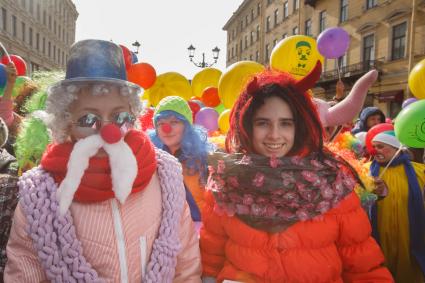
96 184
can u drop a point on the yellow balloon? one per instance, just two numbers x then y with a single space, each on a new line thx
296 55
234 79
224 121
417 80
203 79
168 84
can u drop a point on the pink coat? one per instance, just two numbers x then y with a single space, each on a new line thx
139 217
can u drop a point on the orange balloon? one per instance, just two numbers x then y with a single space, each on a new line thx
142 74
210 97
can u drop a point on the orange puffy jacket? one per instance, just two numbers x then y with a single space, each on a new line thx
336 247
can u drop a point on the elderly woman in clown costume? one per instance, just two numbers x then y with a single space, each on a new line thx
104 205
280 206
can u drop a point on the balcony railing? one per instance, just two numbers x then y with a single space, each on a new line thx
352 70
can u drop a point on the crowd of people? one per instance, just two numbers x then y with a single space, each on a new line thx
86 195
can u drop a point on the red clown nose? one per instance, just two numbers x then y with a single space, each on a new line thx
110 133
166 128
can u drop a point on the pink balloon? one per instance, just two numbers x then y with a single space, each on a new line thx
333 42
208 118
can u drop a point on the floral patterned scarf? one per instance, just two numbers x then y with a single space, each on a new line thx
271 194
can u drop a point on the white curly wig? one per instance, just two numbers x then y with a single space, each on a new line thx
61 96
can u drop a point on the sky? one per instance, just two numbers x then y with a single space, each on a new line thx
164 28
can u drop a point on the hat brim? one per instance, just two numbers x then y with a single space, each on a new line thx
95 80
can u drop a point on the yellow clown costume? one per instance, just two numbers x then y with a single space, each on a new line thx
397 218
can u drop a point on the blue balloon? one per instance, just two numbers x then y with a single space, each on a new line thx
3 76
134 58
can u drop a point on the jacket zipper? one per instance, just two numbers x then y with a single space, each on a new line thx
119 234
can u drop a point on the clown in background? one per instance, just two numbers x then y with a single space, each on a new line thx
398 217
175 133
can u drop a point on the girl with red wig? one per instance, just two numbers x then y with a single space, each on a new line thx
280 206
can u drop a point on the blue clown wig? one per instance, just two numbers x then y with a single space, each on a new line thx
194 145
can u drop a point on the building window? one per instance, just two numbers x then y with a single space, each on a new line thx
44 45
307 28
240 47
267 52
4 18
24 3
38 11
252 15
54 27
233 52
398 41
342 63
268 24
368 48
23 27
285 10
44 17
63 58
258 9
258 32
276 17
246 41
257 56
296 5
30 36
285 35
343 13
250 57
370 4
295 30
322 21
269 2
49 49
14 27
246 20
50 22
37 41
251 38
31 6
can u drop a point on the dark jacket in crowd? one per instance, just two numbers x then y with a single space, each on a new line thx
360 125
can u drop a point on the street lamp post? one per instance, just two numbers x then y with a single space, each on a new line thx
203 64
136 44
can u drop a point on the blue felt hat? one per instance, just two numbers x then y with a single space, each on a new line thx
93 60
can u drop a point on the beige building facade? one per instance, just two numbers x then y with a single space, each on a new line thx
40 31
388 35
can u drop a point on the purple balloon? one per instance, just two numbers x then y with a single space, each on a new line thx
333 42
208 118
408 102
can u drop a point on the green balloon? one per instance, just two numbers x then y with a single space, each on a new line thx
19 85
409 126
220 108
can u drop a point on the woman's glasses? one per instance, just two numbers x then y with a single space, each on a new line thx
93 122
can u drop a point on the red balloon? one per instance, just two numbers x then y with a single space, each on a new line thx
195 107
142 74
210 97
21 66
128 58
373 132
146 119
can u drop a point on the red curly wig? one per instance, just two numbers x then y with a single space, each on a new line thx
308 129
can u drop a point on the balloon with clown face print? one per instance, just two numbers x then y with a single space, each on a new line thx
296 55
410 125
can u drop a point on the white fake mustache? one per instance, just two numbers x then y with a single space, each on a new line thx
122 162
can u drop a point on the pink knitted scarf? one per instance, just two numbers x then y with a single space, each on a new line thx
55 239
